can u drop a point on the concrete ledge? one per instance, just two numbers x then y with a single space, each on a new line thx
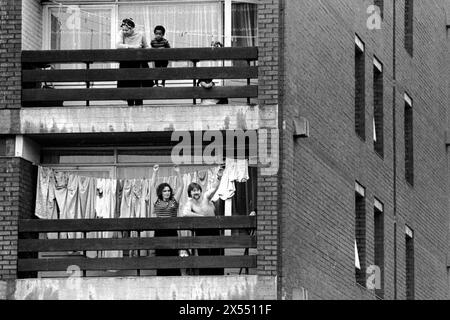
149 118
147 288
3 286
9 121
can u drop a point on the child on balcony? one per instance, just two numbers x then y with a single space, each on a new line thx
159 42
209 84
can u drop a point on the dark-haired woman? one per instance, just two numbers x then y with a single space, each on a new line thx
167 207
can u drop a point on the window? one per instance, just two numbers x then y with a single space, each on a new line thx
378 121
360 233
360 99
410 282
77 25
380 4
244 26
409 26
379 244
137 163
409 140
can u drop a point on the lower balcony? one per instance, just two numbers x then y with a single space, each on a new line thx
131 244
123 259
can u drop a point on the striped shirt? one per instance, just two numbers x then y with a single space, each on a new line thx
157 44
166 209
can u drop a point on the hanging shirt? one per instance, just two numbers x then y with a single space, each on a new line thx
101 202
86 198
70 209
227 187
106 208
45 194
136 196
61 181
241 170
125 206
202 179
142 209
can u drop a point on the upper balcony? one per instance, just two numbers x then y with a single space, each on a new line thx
68 77
77 91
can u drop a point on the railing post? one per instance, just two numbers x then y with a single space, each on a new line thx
195 80
248 79
88 84
85 255
138 254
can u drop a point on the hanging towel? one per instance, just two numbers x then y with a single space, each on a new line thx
227 188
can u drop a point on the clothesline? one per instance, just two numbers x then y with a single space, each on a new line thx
65 195
176 32
118 179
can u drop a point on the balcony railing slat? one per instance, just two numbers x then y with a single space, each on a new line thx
144 263
235 242
115 55
139 74
34 95
44 226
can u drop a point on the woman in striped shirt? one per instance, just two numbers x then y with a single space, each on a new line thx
167 207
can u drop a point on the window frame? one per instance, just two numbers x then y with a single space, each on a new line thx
114 6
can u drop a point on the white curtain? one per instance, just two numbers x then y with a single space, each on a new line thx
187 24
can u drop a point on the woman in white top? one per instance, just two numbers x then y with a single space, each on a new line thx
129 38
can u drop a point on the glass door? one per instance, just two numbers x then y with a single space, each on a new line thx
79 27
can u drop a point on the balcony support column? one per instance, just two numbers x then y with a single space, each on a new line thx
17 198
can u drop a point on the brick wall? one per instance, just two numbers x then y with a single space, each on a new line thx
424 208
268 181
17 187
10 47
319 173
32 25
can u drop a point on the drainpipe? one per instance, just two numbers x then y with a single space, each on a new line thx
394 139
281 137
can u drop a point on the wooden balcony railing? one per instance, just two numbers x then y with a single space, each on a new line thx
34 77
29 244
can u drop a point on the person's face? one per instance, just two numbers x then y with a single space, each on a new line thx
158 35
166 193
196 194
127 30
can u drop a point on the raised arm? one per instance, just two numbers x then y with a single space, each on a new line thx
154 176
211 192
180 184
